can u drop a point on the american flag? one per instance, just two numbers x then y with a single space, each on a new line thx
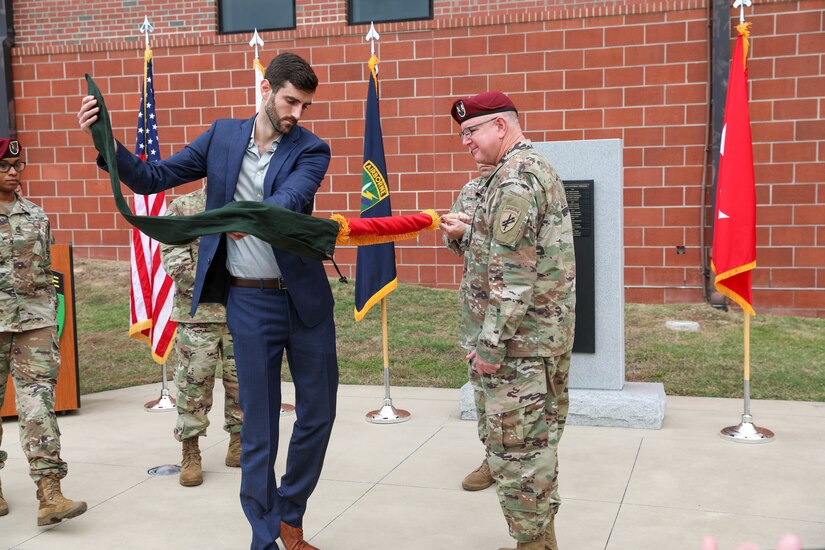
152 290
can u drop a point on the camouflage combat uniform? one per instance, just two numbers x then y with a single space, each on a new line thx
28 333
518 293
202 341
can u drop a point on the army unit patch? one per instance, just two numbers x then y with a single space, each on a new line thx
512 216
374 187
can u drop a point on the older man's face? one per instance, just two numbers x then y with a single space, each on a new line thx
482 137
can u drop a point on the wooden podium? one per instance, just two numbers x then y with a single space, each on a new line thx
67 393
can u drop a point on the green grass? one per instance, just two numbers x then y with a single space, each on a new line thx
787 359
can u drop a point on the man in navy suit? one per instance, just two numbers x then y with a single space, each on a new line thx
274 300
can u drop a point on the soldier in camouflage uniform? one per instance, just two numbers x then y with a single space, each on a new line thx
203 342
28 338
518 315
456 228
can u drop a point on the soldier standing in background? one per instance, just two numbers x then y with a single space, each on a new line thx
28 338
203 342
518 315
456 227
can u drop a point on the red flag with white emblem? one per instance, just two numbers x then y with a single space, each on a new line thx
734 231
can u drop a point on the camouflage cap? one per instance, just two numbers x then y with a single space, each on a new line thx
9 148
481 104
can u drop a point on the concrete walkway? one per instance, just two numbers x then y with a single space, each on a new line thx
397 487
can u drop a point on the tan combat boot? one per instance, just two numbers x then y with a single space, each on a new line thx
54 507
233 453
4 506
550 535
191 473
478 479
536 544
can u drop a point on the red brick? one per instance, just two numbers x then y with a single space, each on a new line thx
663 196
643 217
686 93
643 177
645 55
644 95
684 216
809 257
644 295
813 172
628 76
567 99
593 78
625 35
811 42
603 57
583 39
685 51
587 118
799 65
665 74
643 136
775 256
664 116
610 97
685 135
774 172
646 256
664 156
623 118
793 152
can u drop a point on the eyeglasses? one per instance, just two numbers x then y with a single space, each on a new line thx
468 132
18 166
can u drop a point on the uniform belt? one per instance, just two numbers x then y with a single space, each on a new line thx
279 284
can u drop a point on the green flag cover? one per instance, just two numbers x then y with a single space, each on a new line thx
282 228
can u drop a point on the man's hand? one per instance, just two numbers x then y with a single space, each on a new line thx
480 365
236 235
88 113
453 225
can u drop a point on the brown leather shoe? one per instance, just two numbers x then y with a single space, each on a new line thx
478 479
293 538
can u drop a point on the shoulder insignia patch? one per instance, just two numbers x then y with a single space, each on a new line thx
511 219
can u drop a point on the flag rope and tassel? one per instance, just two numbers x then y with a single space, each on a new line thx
734 234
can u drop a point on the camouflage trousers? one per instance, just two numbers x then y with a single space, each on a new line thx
33 358
522 410
201 348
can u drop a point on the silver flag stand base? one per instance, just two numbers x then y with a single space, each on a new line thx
746 432
388 414
287 409
165 402
162 404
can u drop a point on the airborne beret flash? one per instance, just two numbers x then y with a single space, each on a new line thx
481 104
9 148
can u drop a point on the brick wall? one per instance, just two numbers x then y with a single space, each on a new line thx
577 70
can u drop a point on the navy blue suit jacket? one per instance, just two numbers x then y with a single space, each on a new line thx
295 172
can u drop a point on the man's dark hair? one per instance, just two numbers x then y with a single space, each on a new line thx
291 68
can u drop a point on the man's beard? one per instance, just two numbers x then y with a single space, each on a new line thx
275 120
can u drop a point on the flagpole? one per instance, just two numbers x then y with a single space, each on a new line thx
736 163
386 414
165 402
746 431
374 153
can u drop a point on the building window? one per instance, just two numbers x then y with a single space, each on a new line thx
247 15
365 11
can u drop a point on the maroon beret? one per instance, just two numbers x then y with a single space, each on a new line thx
481 104
9 148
